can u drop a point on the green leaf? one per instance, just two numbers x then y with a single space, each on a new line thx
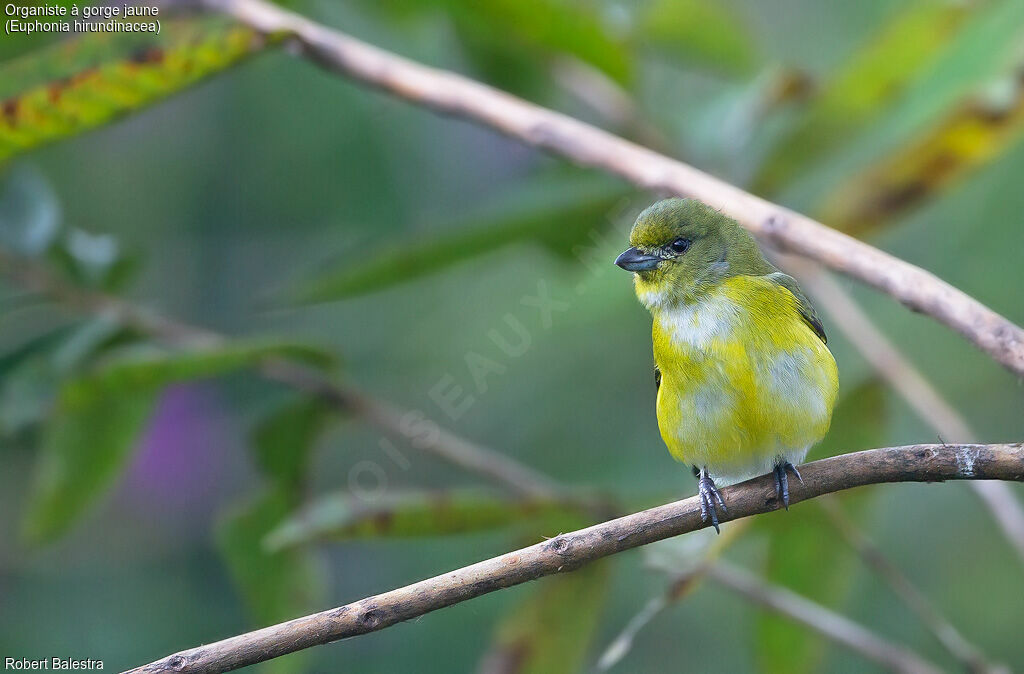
275 586
98 416
557 216
91 79
344 516
872 78
505 36
697 30
149 367
805 552
85 446
284 440
552 629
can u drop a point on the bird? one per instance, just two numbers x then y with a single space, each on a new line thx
745 381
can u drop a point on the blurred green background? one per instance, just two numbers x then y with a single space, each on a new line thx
276 201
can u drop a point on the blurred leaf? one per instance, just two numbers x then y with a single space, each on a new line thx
507 36
876 74
275 586
27 381
557 216
971 135
805 552
552 629
97 417
151 367
87 81
344 516
31 347
29 213
697 30
84 448
87 340
284 439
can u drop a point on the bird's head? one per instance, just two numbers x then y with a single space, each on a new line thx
680 248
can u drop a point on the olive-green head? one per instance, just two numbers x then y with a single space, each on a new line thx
683 247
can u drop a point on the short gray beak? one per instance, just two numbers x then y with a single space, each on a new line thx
634 260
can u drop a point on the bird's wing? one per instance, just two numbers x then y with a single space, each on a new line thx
803 304
657 377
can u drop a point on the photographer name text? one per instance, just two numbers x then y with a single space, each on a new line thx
59 664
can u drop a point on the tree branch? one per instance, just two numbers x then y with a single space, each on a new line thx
502 469
449 93
566 552
910 383
944 632
833 626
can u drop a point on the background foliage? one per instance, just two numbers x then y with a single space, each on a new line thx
171 494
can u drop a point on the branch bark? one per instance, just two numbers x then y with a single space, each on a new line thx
567 552
452 94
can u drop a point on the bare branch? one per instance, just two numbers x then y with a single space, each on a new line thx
388 418
816 617
453 94
566 552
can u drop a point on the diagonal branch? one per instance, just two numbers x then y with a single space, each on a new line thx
828 623
449 93
391 420
904 378
944 632
567 552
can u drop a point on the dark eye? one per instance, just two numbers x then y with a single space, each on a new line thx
680 246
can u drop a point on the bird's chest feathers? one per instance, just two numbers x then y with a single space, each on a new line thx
693 328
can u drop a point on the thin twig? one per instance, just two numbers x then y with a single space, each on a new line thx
388 418
911 385
944 631
452 94
816 617
566 552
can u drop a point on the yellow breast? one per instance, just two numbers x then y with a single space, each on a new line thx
744 380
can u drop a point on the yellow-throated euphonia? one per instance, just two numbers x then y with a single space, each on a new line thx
745 381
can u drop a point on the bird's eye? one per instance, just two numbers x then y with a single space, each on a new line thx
680 246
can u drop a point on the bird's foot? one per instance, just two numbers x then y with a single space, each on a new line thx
782 467
710 498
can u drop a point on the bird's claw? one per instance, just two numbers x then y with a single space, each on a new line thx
710 499
782 467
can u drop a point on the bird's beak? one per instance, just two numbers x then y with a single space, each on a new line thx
634 260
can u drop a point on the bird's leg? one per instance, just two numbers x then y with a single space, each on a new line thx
709 497
782 479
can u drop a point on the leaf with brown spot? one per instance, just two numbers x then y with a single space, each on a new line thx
970 135
91 79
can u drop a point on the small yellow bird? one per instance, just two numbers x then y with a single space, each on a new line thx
745 381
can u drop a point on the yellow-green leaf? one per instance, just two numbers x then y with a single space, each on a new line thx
873 77
970 135
76 85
